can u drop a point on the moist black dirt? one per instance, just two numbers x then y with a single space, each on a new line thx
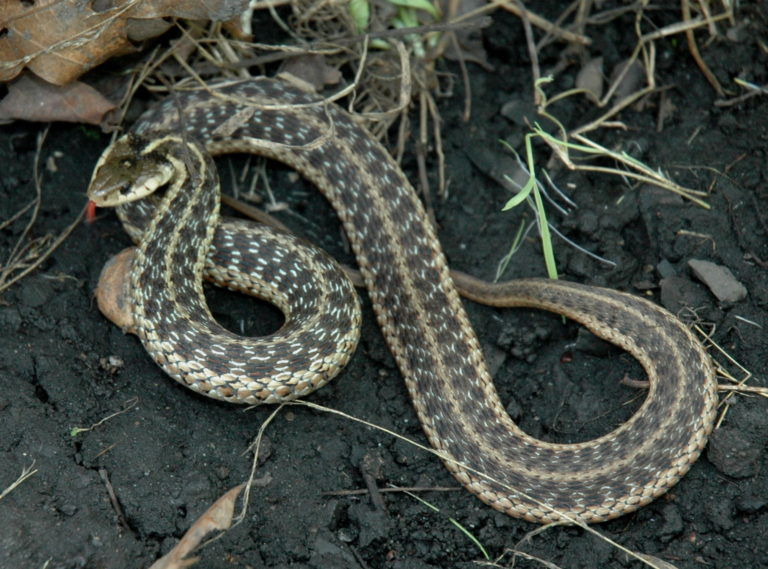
172 453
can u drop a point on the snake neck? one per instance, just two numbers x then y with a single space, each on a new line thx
181 217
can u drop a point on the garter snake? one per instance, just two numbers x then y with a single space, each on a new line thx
412 292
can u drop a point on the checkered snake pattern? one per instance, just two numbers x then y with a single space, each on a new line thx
416 303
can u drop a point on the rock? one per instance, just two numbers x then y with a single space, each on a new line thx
666 269
673 523
733 453
751 503
719 280
36 292
678 293
720 513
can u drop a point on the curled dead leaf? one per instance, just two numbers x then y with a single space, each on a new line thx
590 78
630 74
217 517
312 69
113 290
59 40
33 99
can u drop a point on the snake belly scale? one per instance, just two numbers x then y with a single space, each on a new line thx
417 306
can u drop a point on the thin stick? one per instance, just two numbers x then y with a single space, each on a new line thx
26 472
693 47
42 257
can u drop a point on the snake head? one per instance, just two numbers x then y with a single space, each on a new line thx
129 170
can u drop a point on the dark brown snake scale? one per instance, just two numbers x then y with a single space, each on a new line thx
416 304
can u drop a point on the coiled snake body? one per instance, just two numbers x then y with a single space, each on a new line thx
414 297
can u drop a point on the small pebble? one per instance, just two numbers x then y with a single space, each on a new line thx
733 453
719 280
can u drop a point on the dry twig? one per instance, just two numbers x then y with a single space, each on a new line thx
26 472
28 255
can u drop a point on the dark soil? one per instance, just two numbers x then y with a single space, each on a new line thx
174 453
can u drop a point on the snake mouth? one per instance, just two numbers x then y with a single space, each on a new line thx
109 187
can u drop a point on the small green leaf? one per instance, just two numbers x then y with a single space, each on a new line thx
455 522
360 10
418 5
520 196
541 215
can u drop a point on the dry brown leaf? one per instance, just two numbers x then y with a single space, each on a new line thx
111 292
312 69
632 80
468 44
590 78
217 517
59 40
215 10
32 99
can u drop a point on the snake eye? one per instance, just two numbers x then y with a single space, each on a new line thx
125 189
